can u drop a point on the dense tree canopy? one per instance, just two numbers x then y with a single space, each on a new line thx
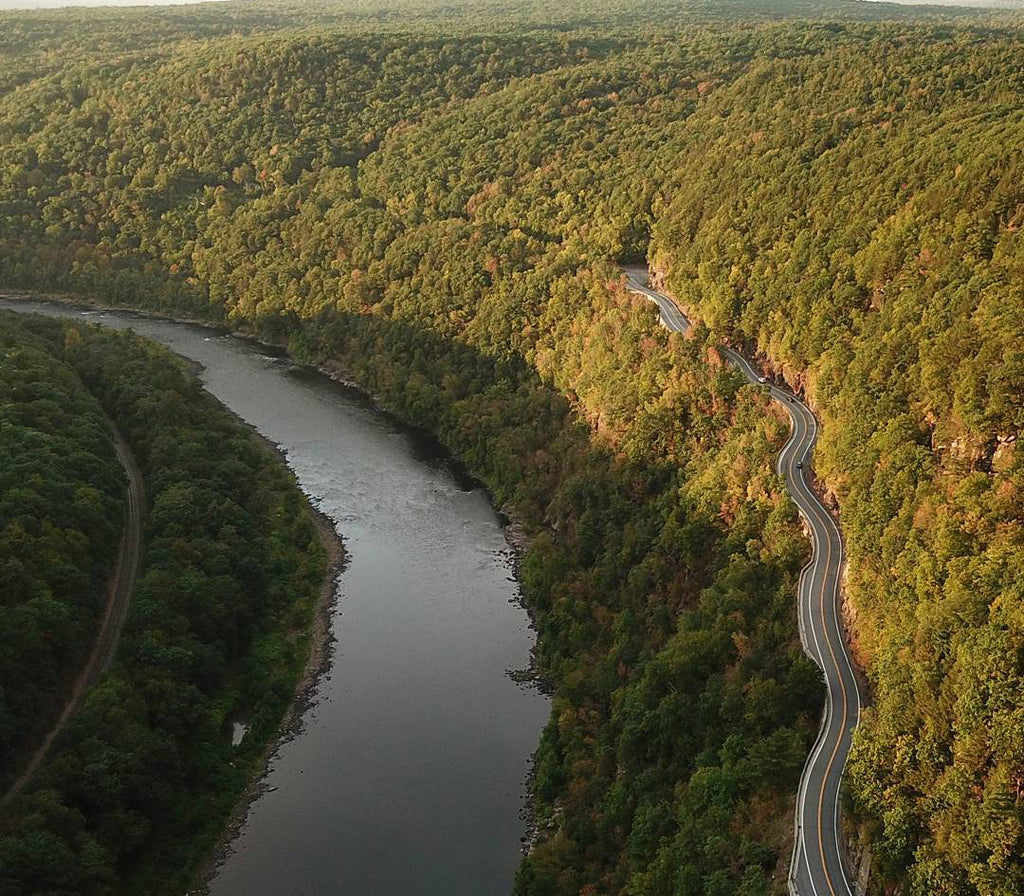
436 214
140 781
61 488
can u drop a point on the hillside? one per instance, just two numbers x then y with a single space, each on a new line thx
438 217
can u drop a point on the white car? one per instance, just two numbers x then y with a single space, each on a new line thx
762 379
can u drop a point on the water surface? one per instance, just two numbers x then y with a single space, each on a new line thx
408 778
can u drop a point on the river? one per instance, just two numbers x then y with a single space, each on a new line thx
407 777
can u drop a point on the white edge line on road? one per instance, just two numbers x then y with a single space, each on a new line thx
823 520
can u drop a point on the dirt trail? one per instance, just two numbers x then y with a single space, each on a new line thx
105 645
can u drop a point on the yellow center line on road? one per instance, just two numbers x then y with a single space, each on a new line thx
839 737
819 514
794 478
828 769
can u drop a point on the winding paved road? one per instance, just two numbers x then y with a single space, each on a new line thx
817 867
105 644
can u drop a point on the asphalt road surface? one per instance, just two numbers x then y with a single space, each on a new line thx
817 867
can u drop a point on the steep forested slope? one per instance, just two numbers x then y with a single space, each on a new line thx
436 216
665 554
661 574
877 259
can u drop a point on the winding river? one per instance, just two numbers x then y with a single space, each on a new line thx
407 777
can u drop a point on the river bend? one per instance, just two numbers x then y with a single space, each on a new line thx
408 774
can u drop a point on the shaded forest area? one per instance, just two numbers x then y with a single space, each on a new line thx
61 515
139 784
437 216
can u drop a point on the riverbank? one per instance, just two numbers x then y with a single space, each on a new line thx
515 535
333 545
318 661
231 617
469 496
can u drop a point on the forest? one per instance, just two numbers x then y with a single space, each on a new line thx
61 488
138 785
437 213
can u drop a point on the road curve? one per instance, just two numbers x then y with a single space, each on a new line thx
817 867
122 583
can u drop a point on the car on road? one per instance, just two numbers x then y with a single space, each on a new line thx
762 379
799 464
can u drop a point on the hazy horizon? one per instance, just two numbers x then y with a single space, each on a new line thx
61 4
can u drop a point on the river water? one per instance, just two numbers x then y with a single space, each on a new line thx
407 778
